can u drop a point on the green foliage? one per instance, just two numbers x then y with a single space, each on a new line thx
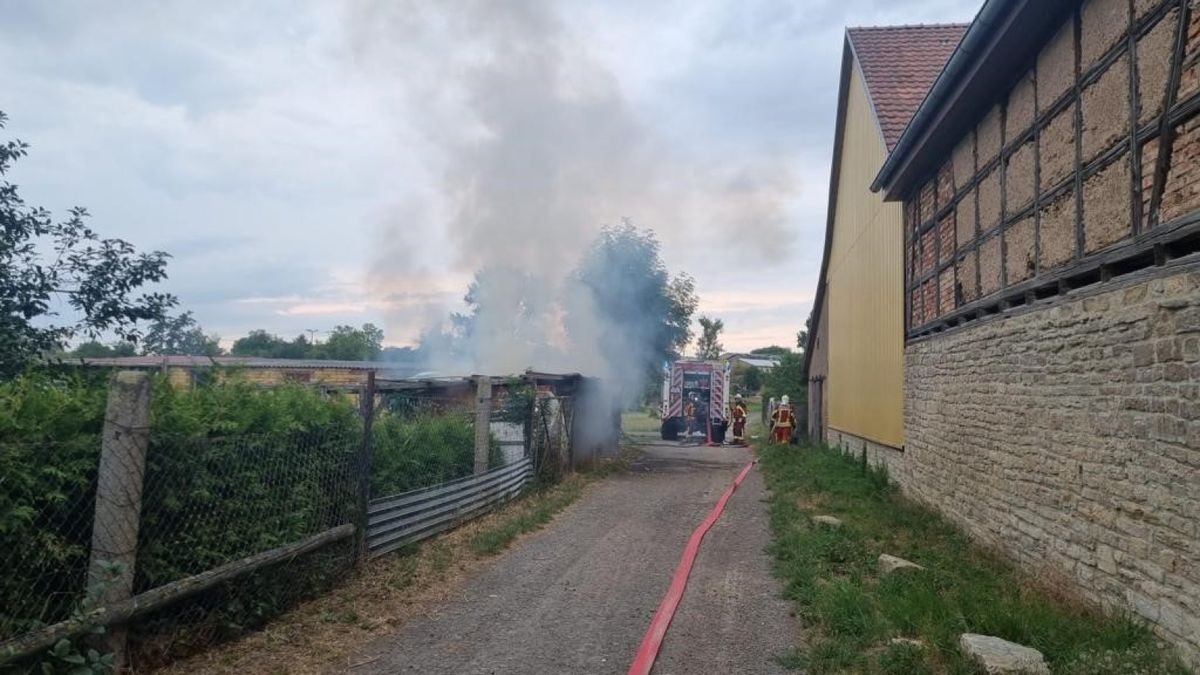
231 470
647 313
708 345
746 379
773 350
788 378
345 343
94 349
98 279
831 575
262 344
516 405
534 512
421 448
180 335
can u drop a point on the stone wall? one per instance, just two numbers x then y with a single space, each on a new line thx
877 454
1068 435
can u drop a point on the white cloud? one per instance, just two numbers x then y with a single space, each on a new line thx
280 161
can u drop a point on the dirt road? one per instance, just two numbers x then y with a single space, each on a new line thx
577 597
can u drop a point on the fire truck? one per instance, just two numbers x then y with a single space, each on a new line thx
708 382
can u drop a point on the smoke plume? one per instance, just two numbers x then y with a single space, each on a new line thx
534 147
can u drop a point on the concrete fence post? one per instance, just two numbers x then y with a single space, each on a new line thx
119 500
483 421
365 456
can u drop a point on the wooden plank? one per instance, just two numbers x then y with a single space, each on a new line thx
35 641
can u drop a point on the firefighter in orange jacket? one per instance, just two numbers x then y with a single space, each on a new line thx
737 413
689 415
783 420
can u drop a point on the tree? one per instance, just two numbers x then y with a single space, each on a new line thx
180 335
262 344
746 378
708 345
347 343
802 336
752 380
94 349
626 303
98 279
773 350
788 378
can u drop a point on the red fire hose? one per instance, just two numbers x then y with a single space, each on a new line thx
652 641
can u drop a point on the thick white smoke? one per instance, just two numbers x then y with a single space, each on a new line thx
536 148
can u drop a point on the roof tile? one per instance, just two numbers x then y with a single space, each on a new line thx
900 64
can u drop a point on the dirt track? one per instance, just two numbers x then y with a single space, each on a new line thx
577 597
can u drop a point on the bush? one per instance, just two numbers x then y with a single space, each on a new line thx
231 470
419 451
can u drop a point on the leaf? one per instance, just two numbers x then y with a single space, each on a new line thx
74 658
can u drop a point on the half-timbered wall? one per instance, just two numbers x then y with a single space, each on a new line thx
1063 183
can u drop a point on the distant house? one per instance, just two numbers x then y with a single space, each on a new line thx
855 354
186 370
760 361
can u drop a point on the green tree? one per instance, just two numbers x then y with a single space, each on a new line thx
180 335
788 378
94 349
708 345
773 350
746 378
347 343
752 380
802 336
98 279
262 344
626 292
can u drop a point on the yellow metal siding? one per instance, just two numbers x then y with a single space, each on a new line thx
864 285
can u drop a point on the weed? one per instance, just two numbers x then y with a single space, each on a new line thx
831 575
535 511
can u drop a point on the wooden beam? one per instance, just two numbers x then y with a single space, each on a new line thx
34 642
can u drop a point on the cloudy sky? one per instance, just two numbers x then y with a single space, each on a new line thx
309 164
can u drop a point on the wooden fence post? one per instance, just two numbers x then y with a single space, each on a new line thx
483 421
367 403
119 500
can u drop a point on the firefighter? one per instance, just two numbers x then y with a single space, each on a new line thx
689 416
737 413
783 420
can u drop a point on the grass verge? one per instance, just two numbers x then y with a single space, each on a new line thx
329 633
854 614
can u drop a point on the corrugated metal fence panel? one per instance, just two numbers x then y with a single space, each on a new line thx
403 519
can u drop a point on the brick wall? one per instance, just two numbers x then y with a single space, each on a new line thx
1068 435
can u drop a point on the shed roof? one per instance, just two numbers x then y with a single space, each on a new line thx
899 64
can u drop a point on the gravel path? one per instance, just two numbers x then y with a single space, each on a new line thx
577 597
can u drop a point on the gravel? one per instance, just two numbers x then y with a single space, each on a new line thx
578 596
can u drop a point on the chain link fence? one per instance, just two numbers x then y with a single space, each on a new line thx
190 533
45 530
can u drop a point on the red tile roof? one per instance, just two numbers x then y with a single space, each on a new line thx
900 64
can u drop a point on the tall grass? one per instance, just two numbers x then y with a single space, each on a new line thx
831 575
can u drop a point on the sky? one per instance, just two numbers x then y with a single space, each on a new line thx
310 164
